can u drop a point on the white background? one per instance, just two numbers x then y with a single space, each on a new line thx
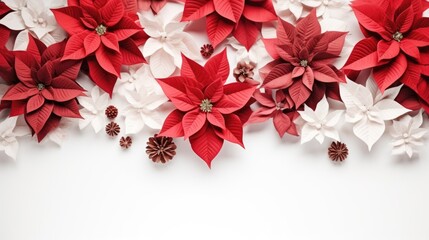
275 189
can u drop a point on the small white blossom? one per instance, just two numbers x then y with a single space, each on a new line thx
9 132
93 111
407 134
320 123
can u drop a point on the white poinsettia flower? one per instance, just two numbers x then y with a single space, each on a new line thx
166 43
94 107
34 17
320 123
368 109
143 110
300 8
407 135
9 131
134 78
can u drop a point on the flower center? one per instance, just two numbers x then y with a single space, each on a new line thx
101 29
303 63
398 36
206 106
40 86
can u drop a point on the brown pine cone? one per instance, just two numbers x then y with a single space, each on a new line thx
126 142
111 112
113 129
244 71
338 151
160 149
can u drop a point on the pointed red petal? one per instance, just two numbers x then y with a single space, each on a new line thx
387 75
69 19
363 56
308 27
206 144
218 65
247 32
35 102
260 11
109 60
68 109
233 131
112 12
103 79
173 125
75 48
196 9
216 119
229 9
299 93
193 121
130 53
218 28
37 119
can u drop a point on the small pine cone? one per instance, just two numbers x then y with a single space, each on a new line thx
126 142
338 151
113 129
207 50
111 112
244 71
160 149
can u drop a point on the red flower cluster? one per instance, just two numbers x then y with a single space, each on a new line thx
301 72
104 34
42 87
396 46
208 112
242 18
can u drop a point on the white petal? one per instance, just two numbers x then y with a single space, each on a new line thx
320 137
296 9
7 125
331 133
307 133
154 120
13 21
312 3
102 102
133 123
21 42
333 118
389 109
417 120
97 123
369 131
322 108
151 46
355 96
161 64
28 16
12 149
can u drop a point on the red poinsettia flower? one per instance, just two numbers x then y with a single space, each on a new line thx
242 18
396 44
303 61
154 5
45 88
104 34
278 107
4 31
207 110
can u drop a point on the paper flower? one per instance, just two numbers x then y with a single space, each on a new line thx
93 110
58 135
31 16
4 31
279 107
104 35
143 110
407 134
46 89
166 43
303 58
396 44
368 109
206 108
8 133
299 8
154 5
320 123
241 18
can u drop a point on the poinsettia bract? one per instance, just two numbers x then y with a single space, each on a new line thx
207 111
45 87
104 34
241 18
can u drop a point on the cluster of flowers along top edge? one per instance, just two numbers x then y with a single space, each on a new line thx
138 50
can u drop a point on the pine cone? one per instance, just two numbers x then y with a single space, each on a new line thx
113 129
160 149
111 112
338 151
126 142
207 50
244 71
